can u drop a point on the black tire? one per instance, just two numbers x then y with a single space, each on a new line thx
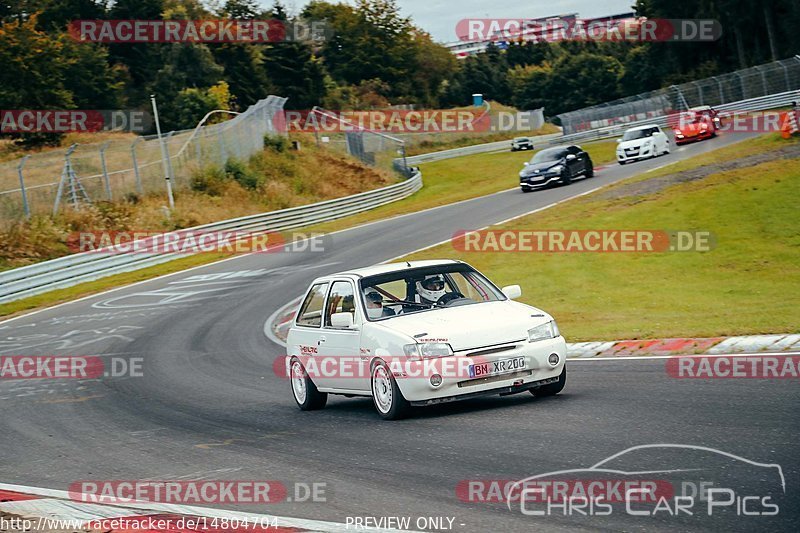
386 396
621 162
526 190
553 388
590 171
312 399
566 177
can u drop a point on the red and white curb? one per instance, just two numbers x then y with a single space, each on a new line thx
48 510
277 326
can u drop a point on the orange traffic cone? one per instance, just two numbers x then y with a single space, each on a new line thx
789 126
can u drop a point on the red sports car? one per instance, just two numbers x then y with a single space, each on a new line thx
696 124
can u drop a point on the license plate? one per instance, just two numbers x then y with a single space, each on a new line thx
501 366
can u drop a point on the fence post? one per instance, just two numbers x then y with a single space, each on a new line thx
785 76
721 92
169 157
106 181
222 155
763 80
25 207
197 151
138 177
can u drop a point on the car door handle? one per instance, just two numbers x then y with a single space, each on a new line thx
321 340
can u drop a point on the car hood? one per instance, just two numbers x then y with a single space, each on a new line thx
690 129
633 143
471 326
531 168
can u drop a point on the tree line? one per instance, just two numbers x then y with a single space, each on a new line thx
376 57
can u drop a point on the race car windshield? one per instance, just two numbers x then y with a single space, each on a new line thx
400 295
635 134
551 154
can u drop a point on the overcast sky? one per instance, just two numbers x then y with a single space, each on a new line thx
439 17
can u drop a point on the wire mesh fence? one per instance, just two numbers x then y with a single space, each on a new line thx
44 183
771 78
371 147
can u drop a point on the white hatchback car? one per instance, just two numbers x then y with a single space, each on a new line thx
641 143
419 333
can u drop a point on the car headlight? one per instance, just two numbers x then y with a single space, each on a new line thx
548 330
427 350
557 169
703 126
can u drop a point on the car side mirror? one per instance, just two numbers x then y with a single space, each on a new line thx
512 292
342 320
571 157
619 141
525 164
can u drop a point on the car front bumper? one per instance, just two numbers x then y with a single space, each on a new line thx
635 155
538 181
418 390
692 138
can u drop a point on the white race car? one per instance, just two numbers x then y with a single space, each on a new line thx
419 333
642 142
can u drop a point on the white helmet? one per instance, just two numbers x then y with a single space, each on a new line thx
431 288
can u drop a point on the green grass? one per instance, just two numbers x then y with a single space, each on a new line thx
462 178
445 182
748 284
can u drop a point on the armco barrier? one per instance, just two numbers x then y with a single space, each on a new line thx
476 149
79 268
762 103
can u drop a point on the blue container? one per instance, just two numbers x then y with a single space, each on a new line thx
477 99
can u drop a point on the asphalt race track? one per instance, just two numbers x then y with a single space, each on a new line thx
209 406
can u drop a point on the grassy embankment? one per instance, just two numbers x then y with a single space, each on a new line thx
747 284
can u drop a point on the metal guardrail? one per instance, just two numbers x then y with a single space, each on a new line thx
475 149
761 103
87 266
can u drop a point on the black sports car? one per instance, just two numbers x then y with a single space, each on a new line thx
560 164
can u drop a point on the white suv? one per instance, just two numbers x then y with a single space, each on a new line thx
641 143
419 333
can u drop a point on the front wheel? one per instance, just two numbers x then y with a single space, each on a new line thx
386 395
553 388
566 177
304 391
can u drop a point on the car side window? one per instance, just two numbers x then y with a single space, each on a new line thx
574 150
310 313
340 300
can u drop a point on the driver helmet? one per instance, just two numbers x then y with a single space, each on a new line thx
431 288
374 303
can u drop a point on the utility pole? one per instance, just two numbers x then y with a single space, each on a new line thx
164 153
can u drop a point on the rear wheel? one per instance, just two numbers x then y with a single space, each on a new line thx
553 388
386 395
304 391
590 171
